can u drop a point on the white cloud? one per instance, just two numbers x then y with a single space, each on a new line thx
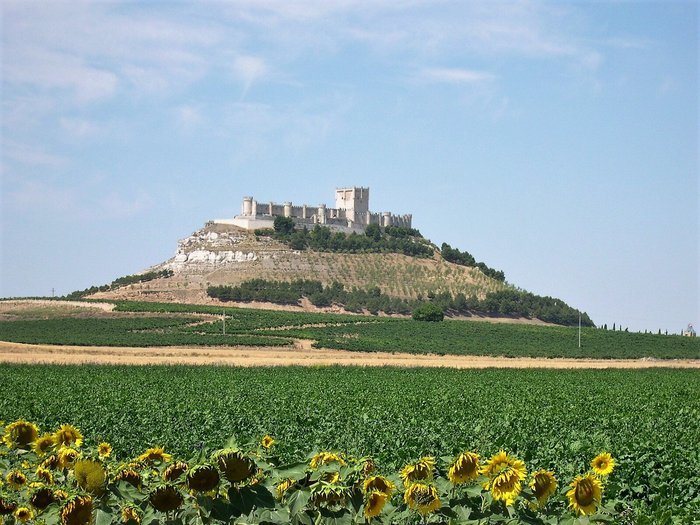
249 69
30 155
456 75
188 117
78 127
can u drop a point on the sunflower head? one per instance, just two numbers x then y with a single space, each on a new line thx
464 468
235 465
174 471
130 514
130 475
16 479
202 478
20 434
90 475
543 484
267 442
165 498
324 458
374 503
422 497
378 484
23 514
66 457
50 463
329 495
7 505
104 450
505 474
77 511
603 464
420 470
283 486
42 444
41 497
585 494
44 475
154 454
68 436
368 466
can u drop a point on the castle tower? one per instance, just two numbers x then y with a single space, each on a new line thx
247 206
355 202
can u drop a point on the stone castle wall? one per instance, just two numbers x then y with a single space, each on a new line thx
356 217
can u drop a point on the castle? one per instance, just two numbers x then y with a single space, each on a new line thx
351 213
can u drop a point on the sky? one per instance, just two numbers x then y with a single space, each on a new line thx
556 141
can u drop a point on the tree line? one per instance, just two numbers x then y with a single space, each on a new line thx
467 259
508 303
121 281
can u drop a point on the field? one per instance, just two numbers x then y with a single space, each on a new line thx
550 419
153 324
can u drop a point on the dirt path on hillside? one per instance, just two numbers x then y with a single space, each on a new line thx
302 355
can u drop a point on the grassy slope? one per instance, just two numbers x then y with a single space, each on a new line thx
396 275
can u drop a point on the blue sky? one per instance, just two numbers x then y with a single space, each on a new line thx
555 141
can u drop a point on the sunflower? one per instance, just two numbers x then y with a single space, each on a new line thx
282 487
585 494
43 444
267 442
68 435
131 476
324 458
16 479
420 470
44 475
374 503
20 434
50 463
154 454
174 471
505 475
464 468
104 450
543 485
7 506
60 494
422 497
42 497
378 484
328 495
368 466
77 511
165 498
90 475
202 478
603 464
130 514
66 457
234 464
24 514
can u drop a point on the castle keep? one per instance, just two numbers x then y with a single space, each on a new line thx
351 213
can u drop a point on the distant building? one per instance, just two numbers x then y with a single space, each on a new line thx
351 213
689 332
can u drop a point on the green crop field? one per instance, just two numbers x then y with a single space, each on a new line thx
648 419
178 326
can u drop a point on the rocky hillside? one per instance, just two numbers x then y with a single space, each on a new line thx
226 255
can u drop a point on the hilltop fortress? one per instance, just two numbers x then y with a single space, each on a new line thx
351 213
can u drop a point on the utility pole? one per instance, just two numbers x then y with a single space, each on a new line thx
579 329
224 318
52 292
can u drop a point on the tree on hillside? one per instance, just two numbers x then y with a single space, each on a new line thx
284 225
428 312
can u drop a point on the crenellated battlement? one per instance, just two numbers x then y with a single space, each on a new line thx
351 213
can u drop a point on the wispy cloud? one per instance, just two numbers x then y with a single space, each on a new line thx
249 69
456 75
30 155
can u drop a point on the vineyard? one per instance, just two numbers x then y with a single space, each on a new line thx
554 421
136 324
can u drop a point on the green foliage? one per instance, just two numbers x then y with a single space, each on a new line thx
560 419
121 281
467 259
428 312
401 240
283 225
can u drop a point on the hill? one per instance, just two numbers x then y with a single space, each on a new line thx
219 256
